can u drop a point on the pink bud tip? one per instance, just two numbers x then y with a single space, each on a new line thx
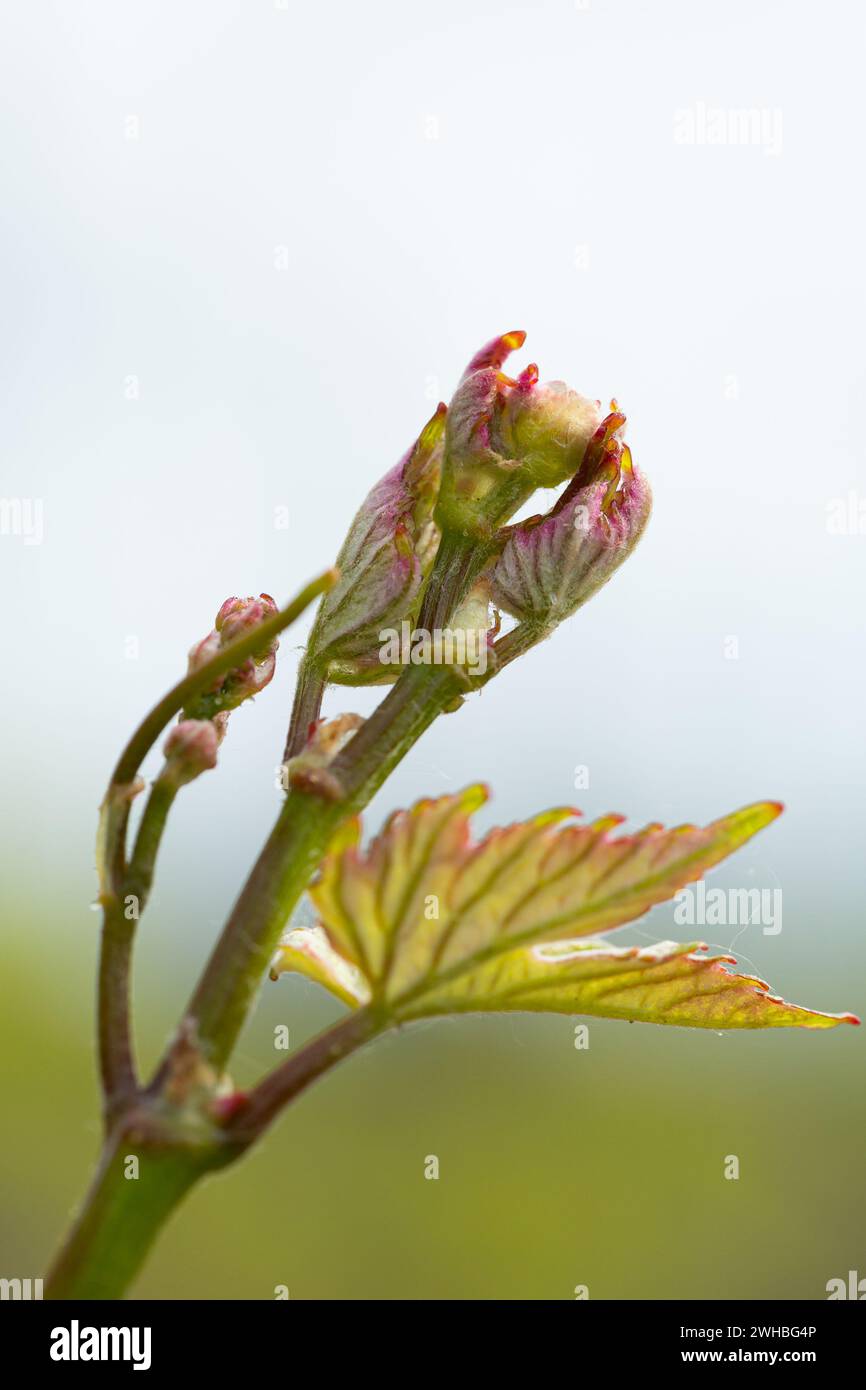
239 615
529 376
494 353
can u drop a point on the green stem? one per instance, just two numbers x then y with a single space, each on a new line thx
265 1102
306 709
459 562
139 875
296 847
175 1147
121 1216
226 991
299 840
129 894
116 1059
514 644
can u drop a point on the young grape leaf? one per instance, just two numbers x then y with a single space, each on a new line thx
424 921
663 983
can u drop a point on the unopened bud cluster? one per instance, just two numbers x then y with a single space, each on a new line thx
236 617
191 747
475 464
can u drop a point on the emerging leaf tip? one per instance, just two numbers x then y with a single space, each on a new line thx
741 825
475 796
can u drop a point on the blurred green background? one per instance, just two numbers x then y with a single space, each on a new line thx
558 1167
249 247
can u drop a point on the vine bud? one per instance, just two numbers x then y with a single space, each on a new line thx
550 565
383 564
507 437
235 617
190 749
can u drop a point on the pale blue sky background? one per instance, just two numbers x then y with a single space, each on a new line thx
721 305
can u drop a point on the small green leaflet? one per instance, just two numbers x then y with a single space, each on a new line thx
427 922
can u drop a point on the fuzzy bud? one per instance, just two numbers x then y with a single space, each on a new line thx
550 565
505 438
383 563
190 749
236 617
